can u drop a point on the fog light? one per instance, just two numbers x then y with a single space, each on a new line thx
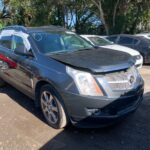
93 111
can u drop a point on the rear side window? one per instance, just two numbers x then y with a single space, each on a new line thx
135 41
125 40
6 41
145 43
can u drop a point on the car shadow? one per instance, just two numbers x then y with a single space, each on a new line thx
23 101
131 133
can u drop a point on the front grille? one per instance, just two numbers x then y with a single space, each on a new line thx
124 80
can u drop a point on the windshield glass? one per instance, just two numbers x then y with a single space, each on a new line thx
55 42
98 41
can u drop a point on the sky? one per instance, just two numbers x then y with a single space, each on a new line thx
1 5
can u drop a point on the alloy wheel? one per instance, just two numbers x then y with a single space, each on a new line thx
49 107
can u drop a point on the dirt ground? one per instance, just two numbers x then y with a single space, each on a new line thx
22 127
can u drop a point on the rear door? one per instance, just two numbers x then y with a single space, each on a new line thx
6 64
14 68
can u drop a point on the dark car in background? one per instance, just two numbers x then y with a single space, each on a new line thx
68 78
138 43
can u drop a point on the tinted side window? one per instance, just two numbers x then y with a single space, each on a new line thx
125 40
135 41
112 38
144 43
18 43
5 41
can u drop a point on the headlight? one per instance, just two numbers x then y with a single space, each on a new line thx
134 71
137 57
85 82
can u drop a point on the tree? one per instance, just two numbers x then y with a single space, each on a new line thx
86 16
98 4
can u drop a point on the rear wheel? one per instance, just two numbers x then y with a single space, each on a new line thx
52 108
2 82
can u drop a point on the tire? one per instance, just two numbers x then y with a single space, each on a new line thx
144 60
2 83
52 107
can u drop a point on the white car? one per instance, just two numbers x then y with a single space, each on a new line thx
146 35
100 41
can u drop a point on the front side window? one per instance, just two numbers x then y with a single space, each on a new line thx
5 41
48 42
18 43
98 41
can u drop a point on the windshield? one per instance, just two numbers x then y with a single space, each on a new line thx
56 42
98 41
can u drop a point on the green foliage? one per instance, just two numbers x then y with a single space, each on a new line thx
86 16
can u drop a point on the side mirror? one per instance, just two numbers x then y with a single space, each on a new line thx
21 50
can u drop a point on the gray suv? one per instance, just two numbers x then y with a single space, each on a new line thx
68 78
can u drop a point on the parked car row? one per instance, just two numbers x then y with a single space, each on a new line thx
103 42
71 80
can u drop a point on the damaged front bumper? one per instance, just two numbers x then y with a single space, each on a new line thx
98 112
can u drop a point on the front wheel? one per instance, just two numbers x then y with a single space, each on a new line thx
52 108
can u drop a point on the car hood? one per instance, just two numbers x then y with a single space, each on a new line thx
99 60
117 47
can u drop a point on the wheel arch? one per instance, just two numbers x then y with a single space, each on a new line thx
38 87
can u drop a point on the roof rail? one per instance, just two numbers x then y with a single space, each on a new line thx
49 27
17 27
26 29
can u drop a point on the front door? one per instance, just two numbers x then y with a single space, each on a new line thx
22 74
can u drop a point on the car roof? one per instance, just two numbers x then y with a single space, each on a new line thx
88 35
47 28
128 35
143 34
36 29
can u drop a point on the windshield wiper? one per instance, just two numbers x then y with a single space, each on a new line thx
84 49
66 52
59 52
